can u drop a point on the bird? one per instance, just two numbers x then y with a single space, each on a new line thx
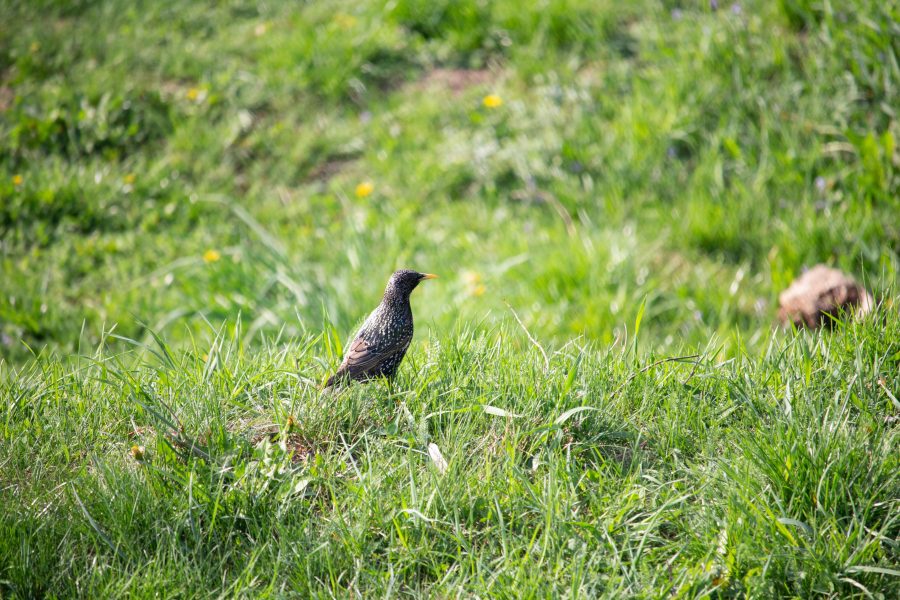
384 337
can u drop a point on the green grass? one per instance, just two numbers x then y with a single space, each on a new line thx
182 255
579 475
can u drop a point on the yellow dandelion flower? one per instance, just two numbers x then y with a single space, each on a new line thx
205 357
137 452
129 179
474 286
344 21
492 101
18 180
364 189
211 256
193 94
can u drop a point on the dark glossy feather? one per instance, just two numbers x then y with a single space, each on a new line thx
363 362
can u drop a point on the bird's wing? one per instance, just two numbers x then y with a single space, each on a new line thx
362 356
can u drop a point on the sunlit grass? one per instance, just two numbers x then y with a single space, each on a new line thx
775 475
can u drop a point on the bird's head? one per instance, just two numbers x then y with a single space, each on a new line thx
403 282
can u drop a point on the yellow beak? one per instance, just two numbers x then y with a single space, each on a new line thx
429 276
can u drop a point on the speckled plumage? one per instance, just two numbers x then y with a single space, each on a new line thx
382 341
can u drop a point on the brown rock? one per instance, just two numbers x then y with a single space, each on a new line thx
821 294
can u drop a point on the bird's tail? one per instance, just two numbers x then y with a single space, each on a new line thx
338 378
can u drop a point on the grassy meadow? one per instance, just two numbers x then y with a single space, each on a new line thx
200 201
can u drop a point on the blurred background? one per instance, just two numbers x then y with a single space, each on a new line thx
174 165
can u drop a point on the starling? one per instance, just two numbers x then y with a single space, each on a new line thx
381 342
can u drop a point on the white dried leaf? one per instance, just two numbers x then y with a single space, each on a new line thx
437 458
